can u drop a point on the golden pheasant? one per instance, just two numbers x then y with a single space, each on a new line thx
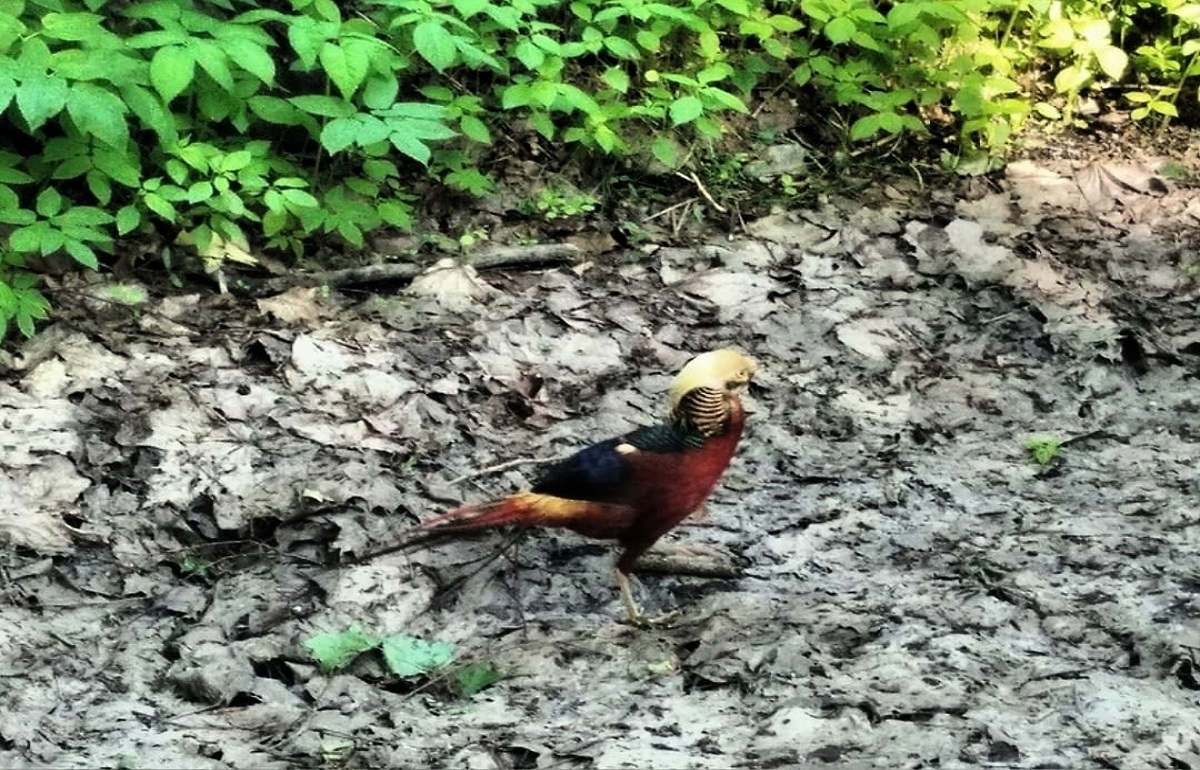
635 488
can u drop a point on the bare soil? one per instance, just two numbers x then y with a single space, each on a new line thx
179 480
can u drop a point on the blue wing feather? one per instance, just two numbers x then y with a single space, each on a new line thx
597 472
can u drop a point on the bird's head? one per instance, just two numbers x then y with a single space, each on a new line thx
726 371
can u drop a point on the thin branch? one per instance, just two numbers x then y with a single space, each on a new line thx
691 177
496 257
500 467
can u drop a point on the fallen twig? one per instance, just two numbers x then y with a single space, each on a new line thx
496 257
691 177
500 467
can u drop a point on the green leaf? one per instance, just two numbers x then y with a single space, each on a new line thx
1043 449
251 57
333 651
577 98
726 100
396 213
8 90
648 40
409 656
435 44
99 112
339 134
213 60
516 95
542 123
685 109
82 253
157 38
324 106
840 30
149 109
41 97
715 73
171 71
160 206
301 199
380 90
617 79
128 218
346 71
529 55
419 110
1163 108
665 152
272 109
101 187
307 36
411 146
789 24
49 202
1112 61
476 677
120 166
475 129
1070 79
75 26
621 48
866 127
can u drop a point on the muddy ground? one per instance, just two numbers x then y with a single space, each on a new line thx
915 590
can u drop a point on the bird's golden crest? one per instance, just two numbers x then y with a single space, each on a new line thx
725 370
703 392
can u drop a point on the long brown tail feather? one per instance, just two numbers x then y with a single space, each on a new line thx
508 510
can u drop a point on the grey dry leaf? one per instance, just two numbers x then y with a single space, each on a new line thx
32 499
452 285
869 337
737 295
979 262
298 303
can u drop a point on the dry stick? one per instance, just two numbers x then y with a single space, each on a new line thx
671 208
503 256
500 467
691 177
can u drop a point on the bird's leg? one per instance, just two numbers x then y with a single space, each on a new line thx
636 616
635 613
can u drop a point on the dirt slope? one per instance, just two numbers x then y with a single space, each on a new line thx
915 592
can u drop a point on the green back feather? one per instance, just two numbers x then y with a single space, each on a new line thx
666 437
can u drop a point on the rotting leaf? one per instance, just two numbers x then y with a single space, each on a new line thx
333 651
410 656
299 303
476 677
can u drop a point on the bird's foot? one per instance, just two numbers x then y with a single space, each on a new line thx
665 620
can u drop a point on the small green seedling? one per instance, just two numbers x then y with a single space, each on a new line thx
197 567
1043 449
476 677
334 651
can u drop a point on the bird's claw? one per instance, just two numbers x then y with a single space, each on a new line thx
664 620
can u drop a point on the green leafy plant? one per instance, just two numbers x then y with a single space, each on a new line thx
335 650
474 678
1043 449
553 203
409 656
198 567
405 656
